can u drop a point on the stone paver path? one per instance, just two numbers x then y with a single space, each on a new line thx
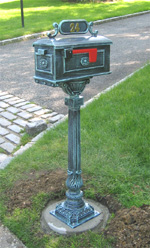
9 240
15 113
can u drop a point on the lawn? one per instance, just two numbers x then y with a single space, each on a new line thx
41 14
115 144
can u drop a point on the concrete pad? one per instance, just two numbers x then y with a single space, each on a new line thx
50 223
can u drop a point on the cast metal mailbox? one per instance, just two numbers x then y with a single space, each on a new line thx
73 58
69 63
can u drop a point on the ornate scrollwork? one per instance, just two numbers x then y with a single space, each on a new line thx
90 30
74 88
56 26
74 181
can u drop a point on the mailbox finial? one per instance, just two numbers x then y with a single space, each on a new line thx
90 30
55 25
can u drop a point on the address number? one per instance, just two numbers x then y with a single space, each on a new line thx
74 27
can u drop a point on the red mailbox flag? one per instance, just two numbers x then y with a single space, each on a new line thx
91 51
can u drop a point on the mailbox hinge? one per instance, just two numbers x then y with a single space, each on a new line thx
68 53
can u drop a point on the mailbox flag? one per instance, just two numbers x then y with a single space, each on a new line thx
91 51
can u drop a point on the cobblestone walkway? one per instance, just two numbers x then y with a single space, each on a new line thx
15 113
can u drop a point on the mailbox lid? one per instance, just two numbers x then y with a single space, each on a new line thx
84 41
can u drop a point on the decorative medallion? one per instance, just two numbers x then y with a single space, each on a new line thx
43 63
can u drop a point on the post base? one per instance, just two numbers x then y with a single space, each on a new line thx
74 217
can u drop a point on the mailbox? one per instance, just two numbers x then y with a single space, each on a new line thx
69 63
71 59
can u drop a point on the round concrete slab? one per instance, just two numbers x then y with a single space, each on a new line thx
50 223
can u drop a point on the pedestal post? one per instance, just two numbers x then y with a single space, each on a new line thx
74 181
74 211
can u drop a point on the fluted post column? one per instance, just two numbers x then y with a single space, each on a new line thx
74 211
74 181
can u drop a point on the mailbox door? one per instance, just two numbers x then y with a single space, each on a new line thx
82 63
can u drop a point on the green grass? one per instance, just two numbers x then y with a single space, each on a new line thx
115 142
39 15
2 151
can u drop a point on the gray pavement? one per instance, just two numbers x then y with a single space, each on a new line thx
130 51
9 240
15 114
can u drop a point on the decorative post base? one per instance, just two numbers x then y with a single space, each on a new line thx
74 211
74 217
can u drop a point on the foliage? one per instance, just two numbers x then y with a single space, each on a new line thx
40 15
